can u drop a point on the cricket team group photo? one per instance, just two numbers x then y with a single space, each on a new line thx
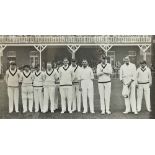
81 84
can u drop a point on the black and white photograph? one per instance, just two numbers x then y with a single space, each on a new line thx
77 76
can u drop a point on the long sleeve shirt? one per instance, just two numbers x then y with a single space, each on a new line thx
50 77
66 76
144 75
86 73
76 72
104 72
12 77
26 78
38 79
128 73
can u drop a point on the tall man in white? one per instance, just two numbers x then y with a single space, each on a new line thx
144 82
104 70
86 86
38 89
50 77
66 77
57 87
128 78
27 88
12 80
75 91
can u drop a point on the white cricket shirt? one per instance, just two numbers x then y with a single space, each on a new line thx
12 77
128 72
144 75
66 75
104 68
86 73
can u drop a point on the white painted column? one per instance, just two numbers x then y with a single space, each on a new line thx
40 60
144 48
40 49
106 48
1 54
73 49
144 55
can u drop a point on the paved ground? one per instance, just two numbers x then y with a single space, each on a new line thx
117 107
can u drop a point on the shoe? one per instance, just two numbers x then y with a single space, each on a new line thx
149 110
79 110
138 110
70 112
62 112
92 112
84 112
52 111
36 110
30 111
103 113
136 113
126 112
108 112
24 111
10 112
17 111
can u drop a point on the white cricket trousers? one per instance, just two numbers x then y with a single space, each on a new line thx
56 104
38 98
49 94
105 93
143 88
87 91
130 101
76 98
13 95
27 95
66 93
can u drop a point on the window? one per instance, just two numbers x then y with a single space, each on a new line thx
111 57
34 58
11 56
132 53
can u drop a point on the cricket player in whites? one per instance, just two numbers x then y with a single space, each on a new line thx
66 78
50 76
86 86
27 88
104 71
128 78
12 80
76 105
144 82
57 87
38 89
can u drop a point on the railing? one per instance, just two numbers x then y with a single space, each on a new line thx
116 39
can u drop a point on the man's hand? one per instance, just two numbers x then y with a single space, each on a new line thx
129 84
80 89
20 83
150 84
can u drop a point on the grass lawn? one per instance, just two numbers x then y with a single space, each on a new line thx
117 107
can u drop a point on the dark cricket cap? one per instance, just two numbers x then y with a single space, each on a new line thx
104 56
73 60
37 66
26 66
142 62
12 63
